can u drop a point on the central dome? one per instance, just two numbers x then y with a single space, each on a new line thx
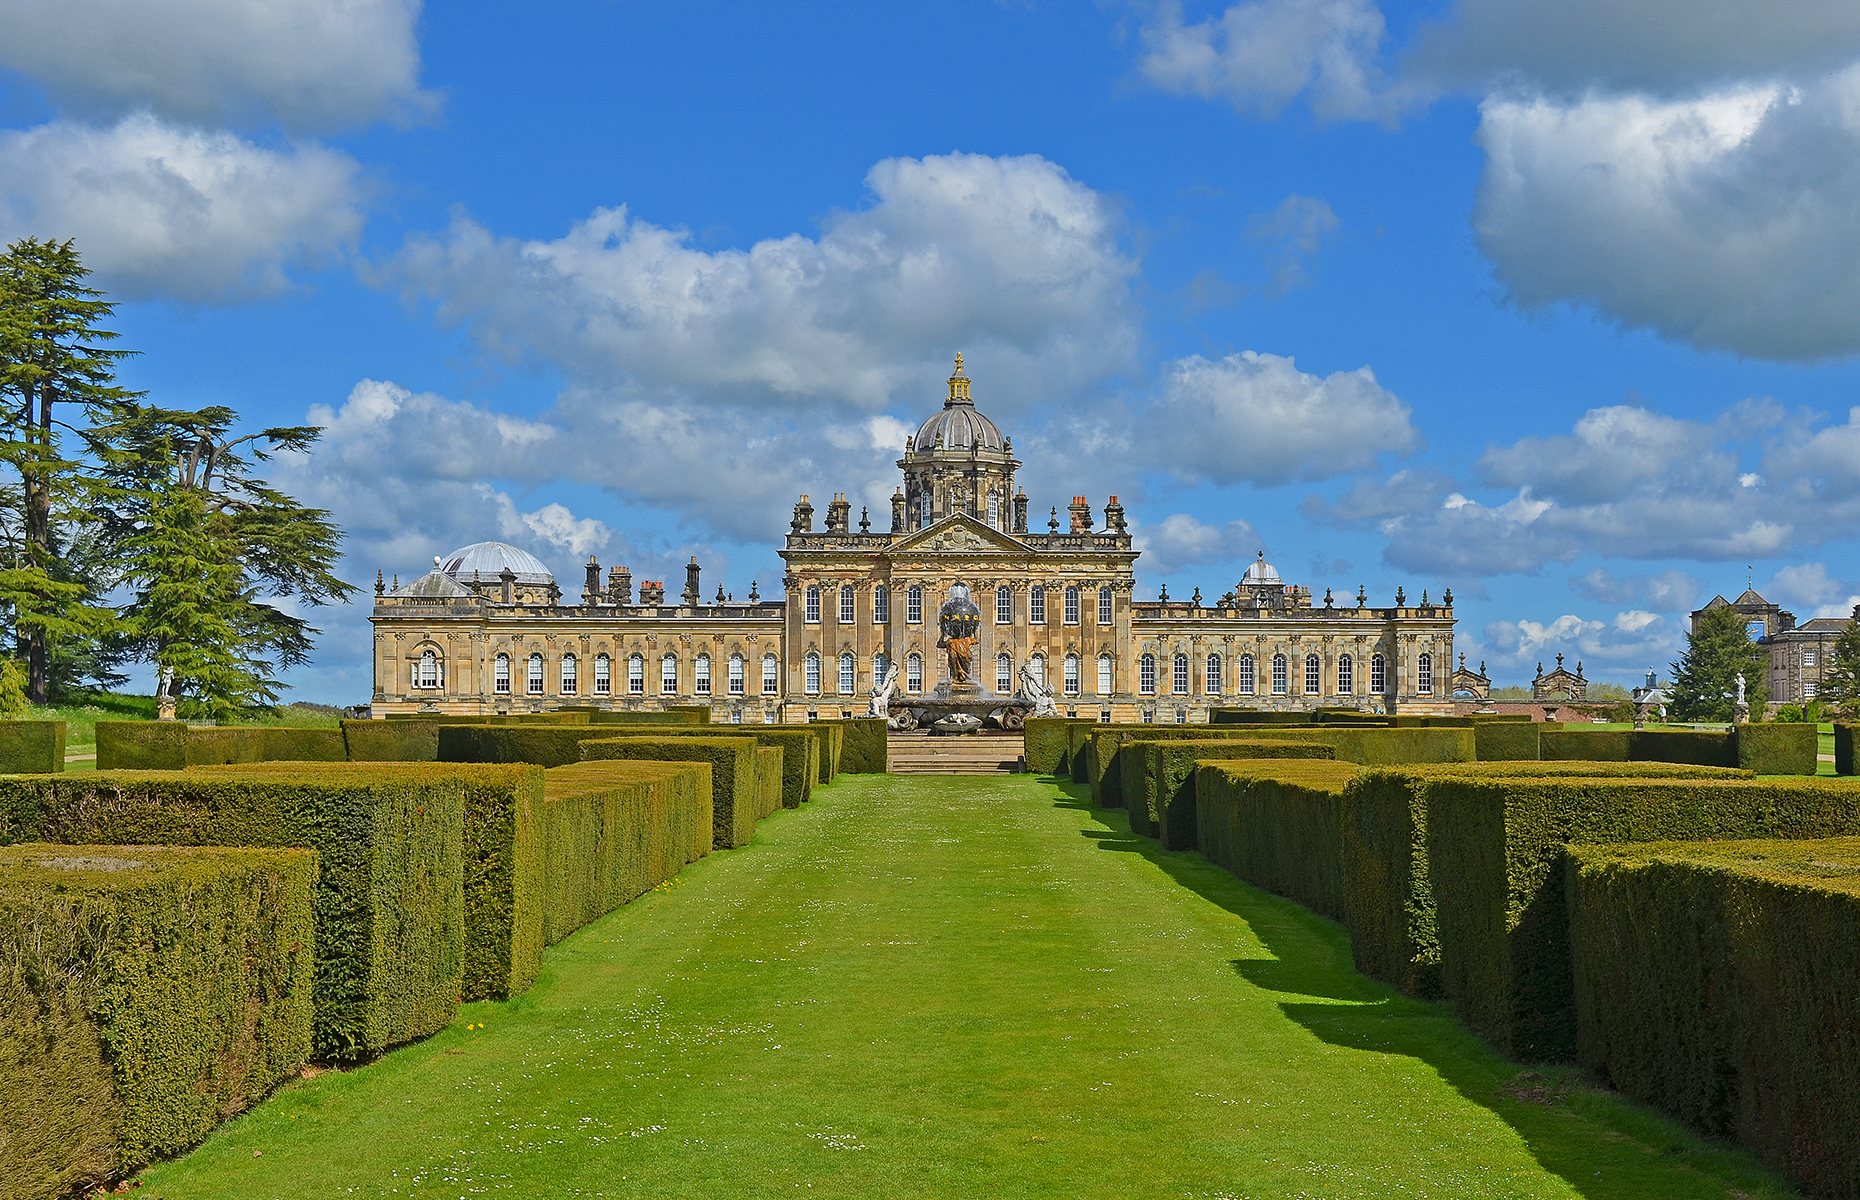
1261 572
485 562
958 426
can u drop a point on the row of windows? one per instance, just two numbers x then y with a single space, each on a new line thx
1246 681
914 605
569 675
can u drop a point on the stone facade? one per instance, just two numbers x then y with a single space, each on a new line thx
857 601
1799 655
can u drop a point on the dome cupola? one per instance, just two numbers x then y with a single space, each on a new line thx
957 461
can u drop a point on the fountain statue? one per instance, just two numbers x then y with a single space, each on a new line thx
959 621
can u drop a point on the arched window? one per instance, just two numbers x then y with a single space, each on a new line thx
636 675
570 679
500 675
813 673
1071 611
1004 606
534 683
1070 677
1314 675
771 675
668 675
849 682
1424 675
1346 676
881 667
1378 675
1105 687
1245 681
1104 606
811 613
429 669
1037 665
1279 671
735 676
881 605
846 606
914 673
1211 682
603 675
1146 675
1036 606
1179 676
701 678
1004 674
914 605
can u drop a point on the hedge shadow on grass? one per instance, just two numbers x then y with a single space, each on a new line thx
1604 1146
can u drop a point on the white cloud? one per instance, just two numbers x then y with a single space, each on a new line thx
1624 644
1180 541
1669 591
163 211
1298 229
311 63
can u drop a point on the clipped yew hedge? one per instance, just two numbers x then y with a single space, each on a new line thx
1507 741
832 739
391 741
389 901
32 747
863 745
1559 744
146 994
171 745
1159 779
1278 824
768 779
1048 744
1495 853
1779 748
730 762
1844 749
1720 982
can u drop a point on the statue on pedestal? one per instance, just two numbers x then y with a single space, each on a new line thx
880 704
959 621
1032 689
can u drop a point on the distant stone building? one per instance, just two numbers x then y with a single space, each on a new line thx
1559 684
1799 655
488 629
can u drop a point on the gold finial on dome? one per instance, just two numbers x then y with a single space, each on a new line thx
958 385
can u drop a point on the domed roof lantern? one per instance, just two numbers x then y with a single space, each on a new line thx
1261 572
489 560
958 426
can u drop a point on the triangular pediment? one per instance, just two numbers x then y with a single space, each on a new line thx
960 533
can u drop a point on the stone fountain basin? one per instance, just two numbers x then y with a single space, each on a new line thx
992 710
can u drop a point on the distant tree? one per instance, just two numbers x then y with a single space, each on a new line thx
1839 693
1513 692
1718 650
204 544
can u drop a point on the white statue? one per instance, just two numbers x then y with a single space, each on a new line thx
881 695
1740 691
1032 689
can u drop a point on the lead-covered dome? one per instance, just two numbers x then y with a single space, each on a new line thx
485 563
958 426
1261 572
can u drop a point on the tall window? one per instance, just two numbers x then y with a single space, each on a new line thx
1037 665
603 675
1346 676
700 679
881 667
1104 606
668 675
535 680
1179 676
771 675
914 605
429 669
1279 672
813 673
1071 675
1004 606
1072 606
1146 675
1245 682
1004 674
571 680
1314 675
812 613
881 605
994 511
914 673
1104 675
500 675
1378 675
735 676
1036 606
846 606
636 675
923 503
1424 675
849 682
1212 680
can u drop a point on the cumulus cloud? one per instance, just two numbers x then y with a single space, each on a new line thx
310 63
1624 644
158 210
1669 591
1296 230
1812 587
1180 541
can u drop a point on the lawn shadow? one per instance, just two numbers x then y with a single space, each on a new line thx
1604 1146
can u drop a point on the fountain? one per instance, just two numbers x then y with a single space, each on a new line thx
959 704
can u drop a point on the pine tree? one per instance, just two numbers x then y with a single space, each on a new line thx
1718 650
1839 693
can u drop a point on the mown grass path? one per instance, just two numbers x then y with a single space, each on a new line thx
950 988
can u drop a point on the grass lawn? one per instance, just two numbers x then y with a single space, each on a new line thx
952 988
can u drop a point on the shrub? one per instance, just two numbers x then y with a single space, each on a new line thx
171 745
1718 982
614 830
389 895
1047 744
1495 856
1778 749
1278 824
1704 748
32 747
680 716
1844 749
1078 741
1507 741
391 741
560 747
831 740
864 747
1256 716
146 994
1159 779
768 779
1583 745
731 765
141 745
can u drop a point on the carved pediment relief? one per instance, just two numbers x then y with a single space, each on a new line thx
959 534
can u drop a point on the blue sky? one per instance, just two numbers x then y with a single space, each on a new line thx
1554 304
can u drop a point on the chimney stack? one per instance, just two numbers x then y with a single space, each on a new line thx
652 592
803 516
1114 516
1020 510
839 514
510 585
620 585
591 590
897 512
1081 515
693 597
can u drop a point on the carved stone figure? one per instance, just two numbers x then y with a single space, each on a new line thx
959 621
881 695
1032 689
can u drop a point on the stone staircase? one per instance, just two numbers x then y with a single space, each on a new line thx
962 754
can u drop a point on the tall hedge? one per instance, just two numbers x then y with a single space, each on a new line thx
614 830
1844 749
731 763
1720 983
1278 824
683 716
1047 744
1159 779
32 747
1496 861
1779 748
1507 741
171 745
1584 745
800 745
863 745
146 994
768 779
391 741
832 739
389 901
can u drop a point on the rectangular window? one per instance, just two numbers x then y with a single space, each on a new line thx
1279 680
848 683
1314 676
736 677
881 605
636 676
603 675
1809 688
1071 677
736 716
811 613
668 676
1346 675
570 681
1149 717
1146 675
1072 606
501 676
1004 606
1378 675
1036 606
994 511
812 675
1211 683
923 507
913 674
701 679
846 606
1104 606
1244 681
771 675
1004 674
1104 675
914 605
534 682
1181 716
1808 658
1179 676
1424 675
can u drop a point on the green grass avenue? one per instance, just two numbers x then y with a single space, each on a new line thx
953 987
